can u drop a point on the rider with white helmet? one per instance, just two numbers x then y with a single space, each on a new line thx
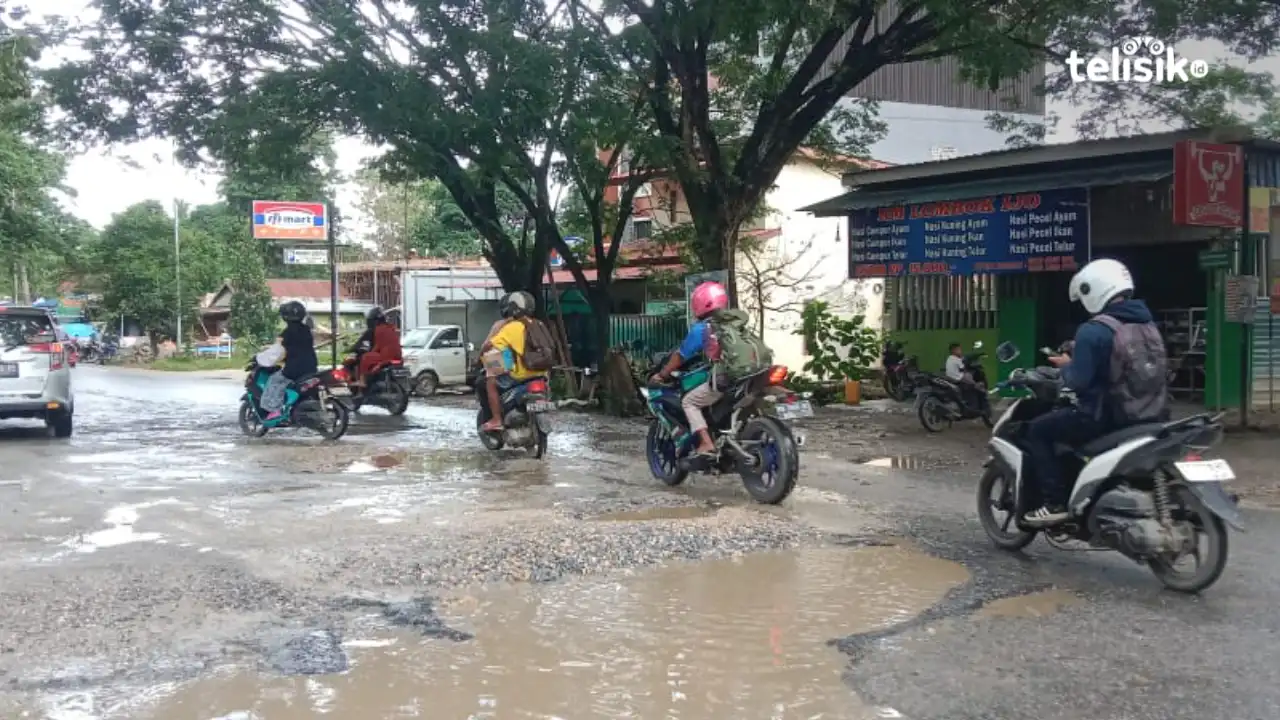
1105 288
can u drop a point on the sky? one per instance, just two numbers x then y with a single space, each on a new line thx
106 185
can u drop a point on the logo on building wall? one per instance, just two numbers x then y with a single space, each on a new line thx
1136 60
1208 184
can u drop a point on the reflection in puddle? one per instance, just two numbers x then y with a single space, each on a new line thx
1030 606
740 638
680 512
901 462
119 521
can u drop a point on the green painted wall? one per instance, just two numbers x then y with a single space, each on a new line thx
931 346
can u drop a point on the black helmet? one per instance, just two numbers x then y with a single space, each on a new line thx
517 304
293 311
375 316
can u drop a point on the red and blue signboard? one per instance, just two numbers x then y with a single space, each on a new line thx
277 220
1045 231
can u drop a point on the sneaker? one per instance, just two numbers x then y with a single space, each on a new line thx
273 416
1047 515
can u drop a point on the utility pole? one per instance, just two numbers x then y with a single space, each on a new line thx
177 267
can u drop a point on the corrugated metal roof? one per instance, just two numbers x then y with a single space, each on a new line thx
1117 175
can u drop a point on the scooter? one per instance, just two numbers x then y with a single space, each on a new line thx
387 386
1145 491
940 401
315 402
525 423
900 371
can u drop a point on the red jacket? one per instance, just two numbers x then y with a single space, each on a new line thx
386 342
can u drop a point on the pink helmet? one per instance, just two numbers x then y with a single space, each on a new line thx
707 298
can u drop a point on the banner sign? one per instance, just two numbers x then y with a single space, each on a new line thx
1046 231
1208 185
306 256
274 220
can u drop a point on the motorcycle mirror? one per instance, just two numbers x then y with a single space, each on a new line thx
977 345
471 347
1007 352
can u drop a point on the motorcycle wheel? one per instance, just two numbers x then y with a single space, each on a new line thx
894 387
988 418
491 440
400 404
663 456
1208 527
1004 534
539 449
933 416
777 460
249 423
341 419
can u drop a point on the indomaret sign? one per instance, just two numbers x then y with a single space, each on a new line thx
1208 184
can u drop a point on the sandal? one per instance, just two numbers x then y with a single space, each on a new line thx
492 426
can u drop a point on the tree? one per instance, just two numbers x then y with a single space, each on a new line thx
773 280
735 89
495 96
133 260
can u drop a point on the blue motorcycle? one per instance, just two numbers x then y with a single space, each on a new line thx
749 424
314 402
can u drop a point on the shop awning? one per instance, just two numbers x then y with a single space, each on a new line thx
1092 177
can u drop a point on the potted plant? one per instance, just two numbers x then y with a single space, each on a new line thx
839 349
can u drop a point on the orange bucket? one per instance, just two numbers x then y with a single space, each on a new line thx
852 392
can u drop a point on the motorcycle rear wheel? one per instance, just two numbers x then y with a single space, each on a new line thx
401 402
341 420
776 453
491 440
1208 526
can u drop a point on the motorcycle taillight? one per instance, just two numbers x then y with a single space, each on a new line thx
537 386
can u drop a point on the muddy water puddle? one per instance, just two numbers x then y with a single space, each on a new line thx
741 638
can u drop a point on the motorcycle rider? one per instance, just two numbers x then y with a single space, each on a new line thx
706 299
299 358
503 354
384 344
957 372
1103 287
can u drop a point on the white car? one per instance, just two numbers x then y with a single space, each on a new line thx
435 355
35 369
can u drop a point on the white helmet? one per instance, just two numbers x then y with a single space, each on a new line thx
1099 282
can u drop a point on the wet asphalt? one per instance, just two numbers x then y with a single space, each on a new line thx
158 544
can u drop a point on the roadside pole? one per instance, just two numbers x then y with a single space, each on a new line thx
177 270
333 295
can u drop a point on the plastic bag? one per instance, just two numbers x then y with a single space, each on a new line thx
270 355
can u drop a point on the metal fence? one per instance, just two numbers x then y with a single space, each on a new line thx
654 333
1266 357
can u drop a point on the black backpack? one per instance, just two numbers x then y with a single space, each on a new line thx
1137 388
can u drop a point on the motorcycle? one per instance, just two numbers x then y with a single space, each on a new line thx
1145 491
900 371
387 386
940 401
748 424
315 402
524 417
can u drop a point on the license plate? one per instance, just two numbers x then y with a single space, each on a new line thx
340 391
795 410
8 370
400 373
1206 471
541 406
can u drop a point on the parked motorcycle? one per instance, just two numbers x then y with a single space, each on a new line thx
387 386
314 402
524 417
749 425
1145 491
900 371
940 401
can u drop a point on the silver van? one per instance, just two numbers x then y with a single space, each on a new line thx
35 369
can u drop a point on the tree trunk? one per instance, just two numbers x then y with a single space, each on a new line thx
600 315
24 284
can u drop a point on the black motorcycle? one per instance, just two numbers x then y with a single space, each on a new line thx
1144 491
900 370
749 424
940 401
524 416
387 386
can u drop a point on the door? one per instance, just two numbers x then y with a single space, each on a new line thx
450 356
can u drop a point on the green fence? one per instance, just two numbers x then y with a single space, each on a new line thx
655 333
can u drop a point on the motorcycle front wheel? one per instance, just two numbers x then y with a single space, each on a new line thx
777 460
995 492
250 424
663 455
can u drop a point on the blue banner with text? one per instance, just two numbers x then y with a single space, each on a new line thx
1045 231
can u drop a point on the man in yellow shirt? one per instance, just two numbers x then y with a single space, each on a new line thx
507 345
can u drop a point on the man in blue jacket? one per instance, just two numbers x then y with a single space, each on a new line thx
1103 287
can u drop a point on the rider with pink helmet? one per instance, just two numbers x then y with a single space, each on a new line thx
706 299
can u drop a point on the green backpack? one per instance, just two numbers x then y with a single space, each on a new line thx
736 350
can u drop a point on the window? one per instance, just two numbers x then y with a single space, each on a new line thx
417 339
642 228
449 337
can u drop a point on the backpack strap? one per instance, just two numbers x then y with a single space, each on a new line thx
1107 320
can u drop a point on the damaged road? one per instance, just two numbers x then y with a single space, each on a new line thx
159 565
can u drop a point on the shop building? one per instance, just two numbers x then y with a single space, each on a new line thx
983 247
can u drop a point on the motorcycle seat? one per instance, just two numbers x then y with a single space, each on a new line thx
1097 446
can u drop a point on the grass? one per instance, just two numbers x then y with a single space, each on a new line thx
192 363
